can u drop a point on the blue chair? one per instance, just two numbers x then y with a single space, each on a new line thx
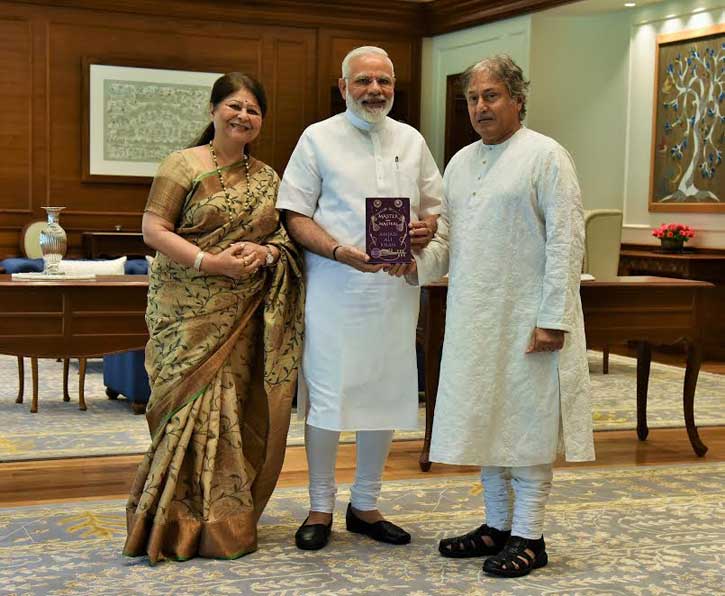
124 373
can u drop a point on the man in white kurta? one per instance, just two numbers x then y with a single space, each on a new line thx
359 366
514 384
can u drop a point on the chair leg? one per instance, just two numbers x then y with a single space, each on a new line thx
81 384
605 360
21 380
34 367
66 367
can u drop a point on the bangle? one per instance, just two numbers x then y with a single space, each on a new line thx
334 250
199 258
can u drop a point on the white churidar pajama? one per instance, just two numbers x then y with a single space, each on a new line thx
531 486
372 451
358 369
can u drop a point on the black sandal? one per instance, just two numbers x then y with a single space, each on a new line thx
473 544
514 560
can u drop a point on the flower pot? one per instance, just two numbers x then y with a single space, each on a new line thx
672 244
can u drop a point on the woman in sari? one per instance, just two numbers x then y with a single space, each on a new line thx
225 319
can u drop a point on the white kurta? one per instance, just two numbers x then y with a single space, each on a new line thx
358 366
512 229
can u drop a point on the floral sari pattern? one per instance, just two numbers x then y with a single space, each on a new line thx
222 361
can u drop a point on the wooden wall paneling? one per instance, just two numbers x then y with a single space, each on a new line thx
43 44
290 79
17 101
405 52
389 17
136 43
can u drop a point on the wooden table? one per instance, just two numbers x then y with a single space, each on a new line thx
72 319
647 310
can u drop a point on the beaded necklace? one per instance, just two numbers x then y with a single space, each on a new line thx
227 198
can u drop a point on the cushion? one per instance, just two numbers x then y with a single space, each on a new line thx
136 267
18 265
112 267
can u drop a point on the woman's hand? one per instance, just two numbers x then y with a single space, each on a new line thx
230 262
256 254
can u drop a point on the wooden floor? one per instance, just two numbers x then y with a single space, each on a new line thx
25 483
31 482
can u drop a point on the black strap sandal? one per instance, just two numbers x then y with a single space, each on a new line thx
515 559
473 543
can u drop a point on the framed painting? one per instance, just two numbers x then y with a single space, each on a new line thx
135 116
687 173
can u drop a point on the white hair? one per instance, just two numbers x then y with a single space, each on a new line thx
363 51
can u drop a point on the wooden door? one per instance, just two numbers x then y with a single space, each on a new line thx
459 131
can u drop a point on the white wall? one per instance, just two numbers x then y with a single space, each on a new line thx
578 96
646 24
452 53
592 76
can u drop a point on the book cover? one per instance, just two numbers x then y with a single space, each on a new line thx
387 239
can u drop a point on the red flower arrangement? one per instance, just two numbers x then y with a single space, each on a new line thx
676 232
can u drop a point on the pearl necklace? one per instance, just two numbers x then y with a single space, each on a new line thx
227 197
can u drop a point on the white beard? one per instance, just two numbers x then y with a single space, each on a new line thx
372 116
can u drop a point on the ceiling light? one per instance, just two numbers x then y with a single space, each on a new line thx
698 10
630 4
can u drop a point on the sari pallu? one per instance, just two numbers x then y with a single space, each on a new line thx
222 361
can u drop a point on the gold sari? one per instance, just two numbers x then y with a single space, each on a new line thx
222 361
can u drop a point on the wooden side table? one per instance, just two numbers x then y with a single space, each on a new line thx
696 264
97 245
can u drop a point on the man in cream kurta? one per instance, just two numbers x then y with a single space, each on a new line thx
514 385
359 367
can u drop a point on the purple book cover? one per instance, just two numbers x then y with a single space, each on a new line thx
386 230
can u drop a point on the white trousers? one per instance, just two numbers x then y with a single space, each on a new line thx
321 448
515 498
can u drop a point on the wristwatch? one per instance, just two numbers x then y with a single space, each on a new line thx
269 259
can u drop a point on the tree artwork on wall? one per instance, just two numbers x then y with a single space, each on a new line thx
689 122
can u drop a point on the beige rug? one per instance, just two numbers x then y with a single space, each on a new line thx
109 427
629 531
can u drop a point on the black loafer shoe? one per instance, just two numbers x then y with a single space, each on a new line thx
313 536
382 531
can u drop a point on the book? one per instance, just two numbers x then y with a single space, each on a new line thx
387 238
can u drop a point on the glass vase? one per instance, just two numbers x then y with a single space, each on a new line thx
53 242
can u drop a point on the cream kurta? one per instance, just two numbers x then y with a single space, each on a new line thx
358 363
512 227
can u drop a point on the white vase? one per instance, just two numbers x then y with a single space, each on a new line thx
53 242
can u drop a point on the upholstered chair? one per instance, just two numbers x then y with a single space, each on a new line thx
601 251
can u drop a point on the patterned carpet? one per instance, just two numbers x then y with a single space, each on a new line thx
109 427
648 530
